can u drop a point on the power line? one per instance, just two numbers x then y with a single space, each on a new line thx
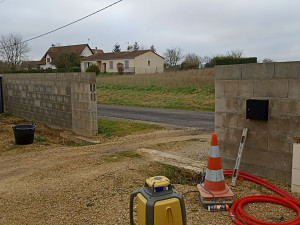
59 28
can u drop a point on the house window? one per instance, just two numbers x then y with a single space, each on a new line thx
148 63
111 64
126 64
48 60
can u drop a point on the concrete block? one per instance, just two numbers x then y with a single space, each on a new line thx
223 104
67 116
37 103
271 88
88 77
219 88
231 88
94 116
296 177
287 107
280 143
220 119
84 97
61 91
228 72
256 140
268 159
261 71
246 88
294 125
231 136
68 90
295 188
265 172
67 99
242 122
86 115
229 150
60 76
287 70
75 77
50 76
294 89
296 156
76 114
280 125
231 120
220 131
242 105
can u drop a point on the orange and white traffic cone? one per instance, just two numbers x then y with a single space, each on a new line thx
214 190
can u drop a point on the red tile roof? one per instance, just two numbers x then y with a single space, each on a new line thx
116 55
97 51
56 50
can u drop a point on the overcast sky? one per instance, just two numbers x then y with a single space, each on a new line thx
261 28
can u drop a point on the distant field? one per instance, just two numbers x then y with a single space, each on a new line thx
188 90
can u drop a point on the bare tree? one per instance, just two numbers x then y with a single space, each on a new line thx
191 61
13 50
267 60
173 56
235 53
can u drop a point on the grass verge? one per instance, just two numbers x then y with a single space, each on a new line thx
175 174
186 90
108 127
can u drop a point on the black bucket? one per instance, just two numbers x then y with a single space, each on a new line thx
24 134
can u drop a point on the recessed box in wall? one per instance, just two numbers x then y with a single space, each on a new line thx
257 109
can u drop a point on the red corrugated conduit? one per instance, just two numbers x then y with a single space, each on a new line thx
286 200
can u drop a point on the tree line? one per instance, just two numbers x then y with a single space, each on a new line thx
13 51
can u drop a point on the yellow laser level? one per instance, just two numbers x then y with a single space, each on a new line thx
158 203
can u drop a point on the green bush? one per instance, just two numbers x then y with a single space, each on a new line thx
228 60
93 68
189 65
76 69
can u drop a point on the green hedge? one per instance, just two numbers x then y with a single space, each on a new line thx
93 68
234 60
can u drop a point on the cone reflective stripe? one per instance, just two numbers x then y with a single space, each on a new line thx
214 152
214 175
214 186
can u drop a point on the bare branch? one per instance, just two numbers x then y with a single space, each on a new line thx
13 50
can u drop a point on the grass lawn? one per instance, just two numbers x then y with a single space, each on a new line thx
108 127
187 90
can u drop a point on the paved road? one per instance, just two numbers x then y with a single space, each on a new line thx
181 118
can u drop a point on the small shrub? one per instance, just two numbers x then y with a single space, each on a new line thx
120 67
40 139
76 69
93 68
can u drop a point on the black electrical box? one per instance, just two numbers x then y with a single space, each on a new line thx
257 109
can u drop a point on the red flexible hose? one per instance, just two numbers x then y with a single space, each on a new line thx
286 200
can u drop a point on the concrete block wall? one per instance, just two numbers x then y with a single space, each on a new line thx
296 168
268 150
64 100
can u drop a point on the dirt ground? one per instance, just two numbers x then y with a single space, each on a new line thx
55 181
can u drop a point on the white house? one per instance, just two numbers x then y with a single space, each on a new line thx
82 50
138 62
